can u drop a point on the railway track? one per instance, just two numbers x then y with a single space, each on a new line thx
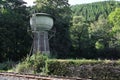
18 76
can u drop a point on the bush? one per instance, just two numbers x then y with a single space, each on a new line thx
96 70
7 65
34 64
57 68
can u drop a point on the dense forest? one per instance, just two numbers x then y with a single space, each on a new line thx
92 11
92 32
82 31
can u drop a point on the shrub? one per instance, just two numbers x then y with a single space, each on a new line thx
32 64
7 65
96 70
57 68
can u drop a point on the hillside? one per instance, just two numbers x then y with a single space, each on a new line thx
92 11
92 34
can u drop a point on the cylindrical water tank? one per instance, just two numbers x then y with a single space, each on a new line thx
41 22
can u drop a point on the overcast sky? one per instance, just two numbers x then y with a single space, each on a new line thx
72 2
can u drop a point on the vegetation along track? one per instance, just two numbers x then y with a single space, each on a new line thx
17 76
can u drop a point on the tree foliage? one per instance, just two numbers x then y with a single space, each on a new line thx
102 37
114 19
92 11
14 39
79 34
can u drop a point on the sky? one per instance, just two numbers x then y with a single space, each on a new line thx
72 2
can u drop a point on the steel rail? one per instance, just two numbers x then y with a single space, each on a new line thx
36 77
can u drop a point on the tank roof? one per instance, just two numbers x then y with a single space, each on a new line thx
43 14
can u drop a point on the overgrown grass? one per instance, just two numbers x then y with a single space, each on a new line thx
32 64
40 64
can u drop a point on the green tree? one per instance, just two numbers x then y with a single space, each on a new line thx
79 35
100 33
114 19
14 39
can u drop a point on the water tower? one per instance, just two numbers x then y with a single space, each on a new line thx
41 23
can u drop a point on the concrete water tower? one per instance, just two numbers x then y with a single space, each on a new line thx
41 23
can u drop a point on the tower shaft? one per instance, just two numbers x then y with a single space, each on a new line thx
41 42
